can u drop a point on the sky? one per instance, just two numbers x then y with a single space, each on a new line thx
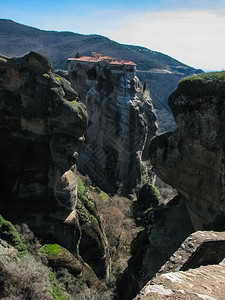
191 31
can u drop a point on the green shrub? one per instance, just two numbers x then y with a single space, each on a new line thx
10 235
81 187
55 291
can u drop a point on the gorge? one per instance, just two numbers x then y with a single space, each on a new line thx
102 123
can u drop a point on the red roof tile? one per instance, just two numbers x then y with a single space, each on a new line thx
98 57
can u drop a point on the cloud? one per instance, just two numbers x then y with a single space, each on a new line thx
195 37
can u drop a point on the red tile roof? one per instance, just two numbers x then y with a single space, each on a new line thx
98 57
128 62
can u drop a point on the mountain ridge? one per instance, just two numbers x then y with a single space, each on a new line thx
71 33
160 71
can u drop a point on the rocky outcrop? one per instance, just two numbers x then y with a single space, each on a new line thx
59 257
121 124
200 278
191 159
41 127
206 282
200 248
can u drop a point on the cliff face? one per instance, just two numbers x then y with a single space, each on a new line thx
121 124
41 125
191 159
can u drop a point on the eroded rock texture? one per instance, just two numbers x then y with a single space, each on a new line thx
200 257
41 125
200 248
192 158
121 124
206 282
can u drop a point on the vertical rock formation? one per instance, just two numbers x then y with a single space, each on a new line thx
192 159
41 125
121 122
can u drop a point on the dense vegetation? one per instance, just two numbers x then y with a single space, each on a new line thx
202 84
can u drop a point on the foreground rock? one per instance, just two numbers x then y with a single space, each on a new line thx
200 248
192 159
41 125
202 279
206 282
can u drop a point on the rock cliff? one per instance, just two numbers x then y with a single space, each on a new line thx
41 127
121 124
191 159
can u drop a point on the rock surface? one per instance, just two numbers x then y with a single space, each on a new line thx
203 278
121 124
200 248
206 282
62 258
41 126
192 158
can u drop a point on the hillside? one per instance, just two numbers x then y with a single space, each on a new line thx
160 72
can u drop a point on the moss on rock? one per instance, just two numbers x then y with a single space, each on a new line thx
9 233
51 249
60 257
105 197
80 188
148 197
159 141
83 213
202 84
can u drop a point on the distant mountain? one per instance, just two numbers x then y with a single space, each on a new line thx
160 72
